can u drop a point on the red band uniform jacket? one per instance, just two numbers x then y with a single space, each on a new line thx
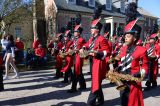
58 46
154 51
68 59
77 45
99 63
139 54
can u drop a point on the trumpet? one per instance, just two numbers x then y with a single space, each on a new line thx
118 78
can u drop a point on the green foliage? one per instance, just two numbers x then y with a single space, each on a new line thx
8 6
13 11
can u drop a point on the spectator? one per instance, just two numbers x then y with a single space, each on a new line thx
10 57
40 52
35 43
4 43
50 46
30 58
19 50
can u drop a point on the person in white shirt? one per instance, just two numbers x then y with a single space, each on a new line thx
4 43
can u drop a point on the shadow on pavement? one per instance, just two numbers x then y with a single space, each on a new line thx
70 103
112 102
34 72
39 86
152 92
43 75
60 94
42 79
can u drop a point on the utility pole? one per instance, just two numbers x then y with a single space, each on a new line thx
34 20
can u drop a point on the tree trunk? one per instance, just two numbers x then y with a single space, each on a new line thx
3 27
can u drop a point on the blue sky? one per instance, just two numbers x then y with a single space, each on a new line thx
153 6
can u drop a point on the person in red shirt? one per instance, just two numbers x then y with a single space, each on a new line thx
40 52
50 45
19 50
19 44
35 43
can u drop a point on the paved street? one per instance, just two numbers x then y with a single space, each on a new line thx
38 88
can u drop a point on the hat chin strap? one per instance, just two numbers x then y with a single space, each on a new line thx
94 35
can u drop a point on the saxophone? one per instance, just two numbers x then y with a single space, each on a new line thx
113 59
118 78
70 52
86 53
62 55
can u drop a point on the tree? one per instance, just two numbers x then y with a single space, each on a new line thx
11 11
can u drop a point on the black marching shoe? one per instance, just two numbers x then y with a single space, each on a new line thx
61 75
72 91
147 88
154 84
82 88
148 83
99 103
64 81
1 89
56 77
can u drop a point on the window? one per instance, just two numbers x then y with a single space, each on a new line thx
145 24
108 4
121 25
149 22
73 20
72 1
91 3
18 31
122 6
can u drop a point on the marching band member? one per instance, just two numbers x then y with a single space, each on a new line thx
57 46
68 59
130 57
153 54
106 31
100 45
77 75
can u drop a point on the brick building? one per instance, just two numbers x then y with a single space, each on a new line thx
51 15
113 13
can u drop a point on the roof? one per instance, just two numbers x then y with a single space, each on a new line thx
145 12
64 5
82 6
